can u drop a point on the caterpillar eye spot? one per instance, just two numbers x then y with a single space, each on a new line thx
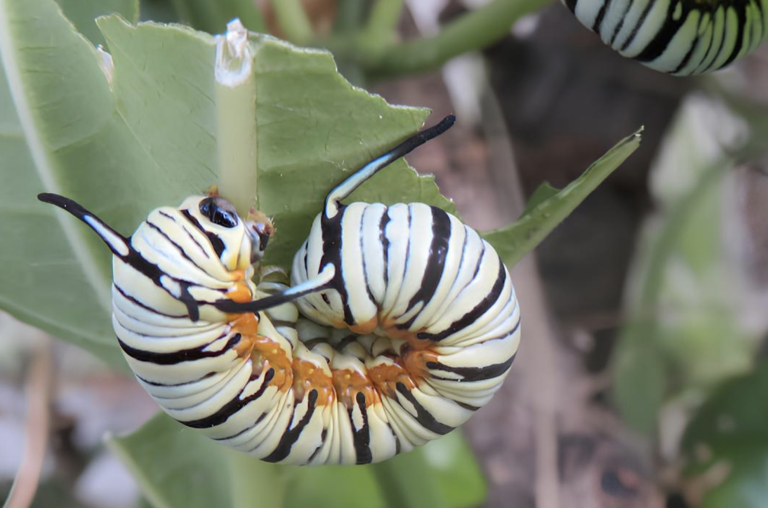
219 212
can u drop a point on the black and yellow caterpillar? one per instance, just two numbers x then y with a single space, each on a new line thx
680 37
405 322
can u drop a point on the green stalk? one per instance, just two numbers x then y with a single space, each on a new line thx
293 20
348 16
473 31
382 23
236 118
248 13
214 16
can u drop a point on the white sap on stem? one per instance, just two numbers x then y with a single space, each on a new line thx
105 63
236 117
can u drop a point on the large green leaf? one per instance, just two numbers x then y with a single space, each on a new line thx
148 138
55 107
728 441
177 467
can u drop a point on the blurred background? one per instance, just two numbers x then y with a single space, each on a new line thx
641 380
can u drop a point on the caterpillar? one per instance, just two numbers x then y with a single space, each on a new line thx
400 322
680 37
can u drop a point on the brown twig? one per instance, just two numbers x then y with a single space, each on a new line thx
36 436
540 369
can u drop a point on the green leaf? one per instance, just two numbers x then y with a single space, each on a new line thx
176 467
333 487
542 193
728 439
683 334
83 14
55 102
441 474
641 380
148 138
548 210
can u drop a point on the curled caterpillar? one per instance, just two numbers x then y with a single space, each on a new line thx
406 323
680 37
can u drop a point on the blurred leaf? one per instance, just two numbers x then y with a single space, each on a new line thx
177 467
333 487
727 440
641 378
83 14
212 17
148 139
549 209
683 333
441 474
160 11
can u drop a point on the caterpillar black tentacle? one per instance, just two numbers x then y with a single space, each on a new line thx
680 37
404 323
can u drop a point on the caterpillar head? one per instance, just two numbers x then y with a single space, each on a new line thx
261 229
238 243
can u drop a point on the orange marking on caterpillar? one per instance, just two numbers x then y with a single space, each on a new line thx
247 325
386 376
267 353
308 376
363 328
240 292
349 383
415 360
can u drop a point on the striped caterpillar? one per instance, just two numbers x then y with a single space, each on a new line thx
681 37
399 324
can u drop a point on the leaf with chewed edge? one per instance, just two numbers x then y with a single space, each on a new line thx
548 207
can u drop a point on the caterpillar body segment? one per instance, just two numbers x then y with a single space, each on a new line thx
680 37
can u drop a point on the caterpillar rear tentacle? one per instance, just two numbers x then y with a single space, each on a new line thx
406 323
680 37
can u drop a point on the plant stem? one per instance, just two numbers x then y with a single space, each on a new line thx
472 31
248 13
382 22
236 118
348 16
293 21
